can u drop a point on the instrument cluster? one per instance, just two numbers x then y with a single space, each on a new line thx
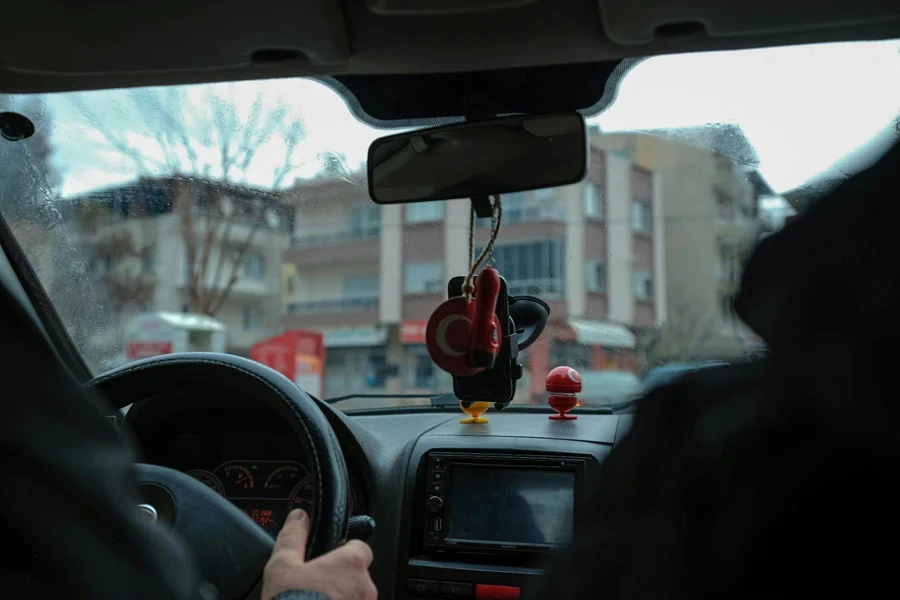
266 490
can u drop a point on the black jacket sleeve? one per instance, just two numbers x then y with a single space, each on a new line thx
68 520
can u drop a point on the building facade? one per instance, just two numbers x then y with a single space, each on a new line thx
369 276
137 251
711 195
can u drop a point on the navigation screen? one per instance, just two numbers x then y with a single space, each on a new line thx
511 506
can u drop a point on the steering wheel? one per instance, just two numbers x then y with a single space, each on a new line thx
230 549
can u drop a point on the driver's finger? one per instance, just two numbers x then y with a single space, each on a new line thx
294 533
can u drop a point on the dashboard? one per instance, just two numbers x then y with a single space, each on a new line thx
462 511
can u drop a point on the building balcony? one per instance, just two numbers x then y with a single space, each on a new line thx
546 288
317 238
360 311
244 286
334 246
333 305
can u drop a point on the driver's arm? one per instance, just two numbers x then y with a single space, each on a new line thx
342 574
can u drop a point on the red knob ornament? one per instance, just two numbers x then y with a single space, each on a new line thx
563 383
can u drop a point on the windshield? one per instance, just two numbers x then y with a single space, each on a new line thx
235 218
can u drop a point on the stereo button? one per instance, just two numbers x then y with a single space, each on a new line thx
435 504
452 589
422 587
496 592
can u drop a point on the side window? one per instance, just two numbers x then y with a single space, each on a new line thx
596 276
640 217
424 212
423 278
255 266
643 285
253 318
594 205
363 285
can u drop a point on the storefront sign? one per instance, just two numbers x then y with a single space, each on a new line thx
354 336
413 332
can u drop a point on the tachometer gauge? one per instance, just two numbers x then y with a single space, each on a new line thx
284 479
302 497
237 477
208 479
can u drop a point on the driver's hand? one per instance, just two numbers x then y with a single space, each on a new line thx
342 574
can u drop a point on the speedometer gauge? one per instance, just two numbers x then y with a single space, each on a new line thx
302 497
208 479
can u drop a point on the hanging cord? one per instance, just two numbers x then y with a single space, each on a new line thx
468 288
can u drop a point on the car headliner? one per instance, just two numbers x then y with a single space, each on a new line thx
49 45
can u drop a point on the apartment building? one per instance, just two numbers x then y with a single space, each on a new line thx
370 276
712 195
137 251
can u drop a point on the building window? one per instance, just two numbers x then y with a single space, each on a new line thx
594 204
365 221
596 276
540 205
148 261
724 164
420 370
424 278
725 206
353 370
643 285
253 318
375 371
424 212
532 268
641 217
361 285
641 185
255 266
289 286
573 354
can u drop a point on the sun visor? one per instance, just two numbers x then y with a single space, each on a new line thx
183 36
643 22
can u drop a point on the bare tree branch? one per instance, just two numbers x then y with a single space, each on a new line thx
211 226
293 136
210 135
184 207
220 263
116 142
232 279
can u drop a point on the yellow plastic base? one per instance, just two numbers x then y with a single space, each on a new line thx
475 411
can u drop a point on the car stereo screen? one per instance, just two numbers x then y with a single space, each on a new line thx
511 506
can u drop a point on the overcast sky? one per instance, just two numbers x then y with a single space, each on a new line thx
802 108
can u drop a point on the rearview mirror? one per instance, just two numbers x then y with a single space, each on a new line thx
512 154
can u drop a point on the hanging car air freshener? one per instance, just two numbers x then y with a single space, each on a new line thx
464 334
